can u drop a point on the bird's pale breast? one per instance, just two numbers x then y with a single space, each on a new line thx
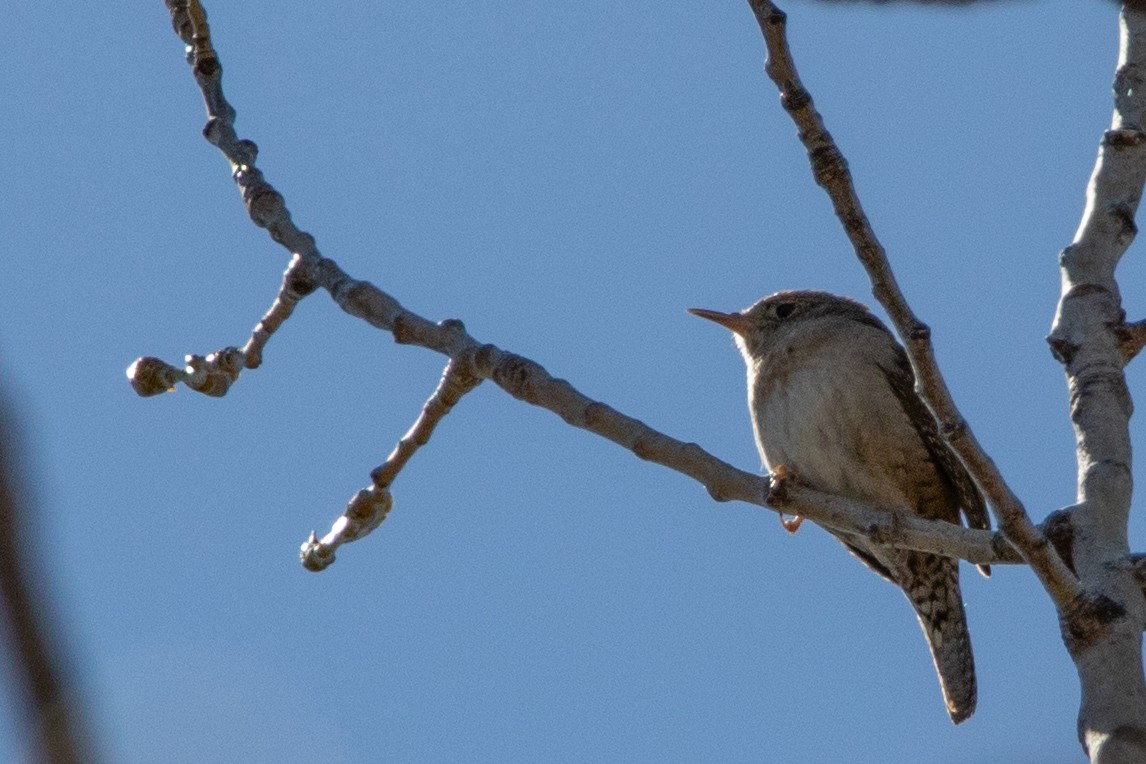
829 414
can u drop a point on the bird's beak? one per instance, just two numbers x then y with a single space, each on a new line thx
737 322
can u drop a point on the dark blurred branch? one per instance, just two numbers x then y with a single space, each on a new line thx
45 692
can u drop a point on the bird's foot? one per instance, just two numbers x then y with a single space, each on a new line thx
791 524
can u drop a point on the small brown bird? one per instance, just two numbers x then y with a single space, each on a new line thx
832 399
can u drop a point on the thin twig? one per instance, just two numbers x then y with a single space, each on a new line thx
831 172
214 373
457 380
369 507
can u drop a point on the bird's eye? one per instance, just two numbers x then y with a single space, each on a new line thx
785 309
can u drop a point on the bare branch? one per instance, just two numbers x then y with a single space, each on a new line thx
48 695
457 380
215 373
369 507
1092 340
831 172
898 529
1089 335
472 361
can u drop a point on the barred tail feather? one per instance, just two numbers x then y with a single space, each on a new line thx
932 587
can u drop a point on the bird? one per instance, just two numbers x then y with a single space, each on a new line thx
832 398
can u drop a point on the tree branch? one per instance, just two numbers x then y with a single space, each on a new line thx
370 506
1092 340
214 373
901 529
46 690
472 361
1089 335
831 172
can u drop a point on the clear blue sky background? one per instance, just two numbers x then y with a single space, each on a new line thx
567 178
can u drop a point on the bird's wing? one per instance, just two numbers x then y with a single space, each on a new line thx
951 468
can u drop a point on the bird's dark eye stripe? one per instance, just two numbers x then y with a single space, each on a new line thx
785 309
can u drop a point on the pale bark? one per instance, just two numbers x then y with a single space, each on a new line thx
1089 337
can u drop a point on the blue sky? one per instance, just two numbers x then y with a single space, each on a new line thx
567 179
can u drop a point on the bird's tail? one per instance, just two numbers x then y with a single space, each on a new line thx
933 589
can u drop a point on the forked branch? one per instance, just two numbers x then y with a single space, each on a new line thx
472 361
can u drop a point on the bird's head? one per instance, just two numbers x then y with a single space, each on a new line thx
775 317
